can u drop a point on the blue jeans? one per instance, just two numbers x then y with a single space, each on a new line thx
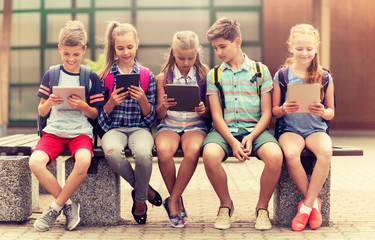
140 143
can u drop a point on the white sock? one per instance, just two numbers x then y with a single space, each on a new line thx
316 206
55 207
305 209
68 201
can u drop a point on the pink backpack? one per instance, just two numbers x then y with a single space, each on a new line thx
144 74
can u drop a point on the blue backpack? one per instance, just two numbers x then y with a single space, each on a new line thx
283 80
54 76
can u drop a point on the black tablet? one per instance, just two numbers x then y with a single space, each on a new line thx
127 80
186 96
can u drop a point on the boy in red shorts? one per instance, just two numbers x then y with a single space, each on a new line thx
66 128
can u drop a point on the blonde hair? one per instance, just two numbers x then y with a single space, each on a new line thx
314 72
114 29
73 34
185 40
224 27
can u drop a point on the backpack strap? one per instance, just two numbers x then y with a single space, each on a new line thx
283 80
54 76
258 76
216 80
84 80
144 74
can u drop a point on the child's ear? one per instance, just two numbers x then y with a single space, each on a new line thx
238 41
290 48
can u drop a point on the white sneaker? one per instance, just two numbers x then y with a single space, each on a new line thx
222 220
262 221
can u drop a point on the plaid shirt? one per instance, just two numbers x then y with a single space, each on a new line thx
129 112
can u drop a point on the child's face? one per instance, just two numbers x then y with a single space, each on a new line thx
225 49
126 48
71 57
303 48
185 59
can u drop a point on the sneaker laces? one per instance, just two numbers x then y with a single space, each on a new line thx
50 215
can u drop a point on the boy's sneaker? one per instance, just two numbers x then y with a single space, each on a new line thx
45 222
223 217
71 212
262 221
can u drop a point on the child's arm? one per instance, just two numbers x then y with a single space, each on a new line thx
163 102
286 108
77 103
222 128
45 105
329 112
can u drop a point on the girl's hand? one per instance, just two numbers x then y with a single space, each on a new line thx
137 93
201 109
116 97
168 102
317 108
76 103
54 100
289 107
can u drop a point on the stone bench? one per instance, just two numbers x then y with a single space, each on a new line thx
99 195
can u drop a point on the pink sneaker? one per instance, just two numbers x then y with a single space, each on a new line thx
315 219
300 220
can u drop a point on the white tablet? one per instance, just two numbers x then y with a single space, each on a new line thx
64 92
304 94
186 96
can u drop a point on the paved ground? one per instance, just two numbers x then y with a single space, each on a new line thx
352 205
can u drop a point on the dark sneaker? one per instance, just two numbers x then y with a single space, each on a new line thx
45 222
71 212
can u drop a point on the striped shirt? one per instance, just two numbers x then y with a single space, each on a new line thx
180 121
129 112
243 109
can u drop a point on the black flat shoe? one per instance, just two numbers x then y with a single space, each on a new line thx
140 219
157 201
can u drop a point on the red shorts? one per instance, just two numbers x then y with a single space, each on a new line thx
53 145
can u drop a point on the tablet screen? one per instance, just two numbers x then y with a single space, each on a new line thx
186 96
304 94
127 80
64 92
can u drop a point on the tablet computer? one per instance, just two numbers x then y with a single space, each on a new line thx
65 91
186 96
127 80
304 94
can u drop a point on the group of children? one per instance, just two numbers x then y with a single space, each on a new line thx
240 111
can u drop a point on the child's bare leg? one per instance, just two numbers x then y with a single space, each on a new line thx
272 157
292 145
212 158
321 145
38 165
191 144
76 177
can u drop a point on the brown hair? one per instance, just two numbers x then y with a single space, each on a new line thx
226 28
314 72
73 34
185 40
114 29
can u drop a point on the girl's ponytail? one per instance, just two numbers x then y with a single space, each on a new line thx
109 50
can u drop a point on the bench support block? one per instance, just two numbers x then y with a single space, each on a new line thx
99 195
287 196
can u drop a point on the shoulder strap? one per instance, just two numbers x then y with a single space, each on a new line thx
108 83
283 80
144 74
84 80
202 89
54 76
216 80
258 76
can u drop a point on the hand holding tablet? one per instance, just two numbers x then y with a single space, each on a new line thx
64 92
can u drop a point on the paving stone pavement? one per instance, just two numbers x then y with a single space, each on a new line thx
352 204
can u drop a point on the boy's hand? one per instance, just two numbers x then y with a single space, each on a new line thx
54 100
247 144
76 103
201 109
239 152
168 102
317 108
116 97
289 107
